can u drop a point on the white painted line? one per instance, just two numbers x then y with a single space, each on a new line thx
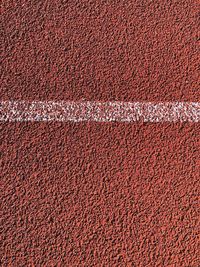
99 111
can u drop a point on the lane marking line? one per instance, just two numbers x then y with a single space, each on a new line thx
64 111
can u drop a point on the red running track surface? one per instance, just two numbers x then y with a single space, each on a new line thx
133 50
92 193
100 194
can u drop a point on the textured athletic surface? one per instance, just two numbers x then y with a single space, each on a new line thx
100 194
100 50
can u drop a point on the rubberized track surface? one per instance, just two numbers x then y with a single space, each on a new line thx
100 193
101 50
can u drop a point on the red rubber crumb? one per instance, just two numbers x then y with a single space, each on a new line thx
101 50
99 194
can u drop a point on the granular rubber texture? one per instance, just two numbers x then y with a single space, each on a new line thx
123 50
102 194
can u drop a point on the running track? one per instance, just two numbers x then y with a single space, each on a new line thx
99 133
